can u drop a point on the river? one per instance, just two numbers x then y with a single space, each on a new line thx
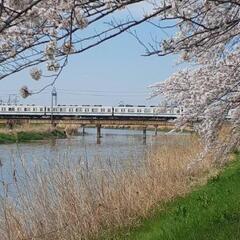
119 148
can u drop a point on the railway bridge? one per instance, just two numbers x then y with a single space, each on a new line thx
142 123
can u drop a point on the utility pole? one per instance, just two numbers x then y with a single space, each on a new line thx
53 101
9 99
12 99
15 100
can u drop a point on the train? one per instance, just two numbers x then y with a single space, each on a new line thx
94 111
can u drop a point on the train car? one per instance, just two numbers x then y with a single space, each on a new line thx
143 111
79 111
89 111
131 111
21 110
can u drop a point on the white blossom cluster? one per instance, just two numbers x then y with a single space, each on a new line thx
24 22
43 30
208 38
24 92
36 73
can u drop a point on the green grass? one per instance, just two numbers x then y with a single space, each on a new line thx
7 138
212 212
30 136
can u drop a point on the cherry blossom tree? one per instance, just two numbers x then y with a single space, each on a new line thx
38 31
208 39
205 34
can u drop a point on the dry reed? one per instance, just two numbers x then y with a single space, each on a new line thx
27 128
62 200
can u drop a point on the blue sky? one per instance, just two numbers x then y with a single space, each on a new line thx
111 73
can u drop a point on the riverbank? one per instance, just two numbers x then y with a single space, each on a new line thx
151 129
27 135
67 198
210 212
160 128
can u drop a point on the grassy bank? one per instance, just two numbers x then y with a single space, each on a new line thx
62 199
66 199
212 212
26 136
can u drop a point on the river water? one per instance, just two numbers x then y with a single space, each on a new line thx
119 148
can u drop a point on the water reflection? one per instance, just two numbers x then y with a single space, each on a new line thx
116 149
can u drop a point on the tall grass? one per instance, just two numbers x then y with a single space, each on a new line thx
27 128
64 200
25 133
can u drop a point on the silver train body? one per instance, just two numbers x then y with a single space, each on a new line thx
89 111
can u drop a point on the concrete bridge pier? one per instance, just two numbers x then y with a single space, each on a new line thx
156 128
83 130
98 133
144 135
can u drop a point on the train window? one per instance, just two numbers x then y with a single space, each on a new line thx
34 109
78 109
48 109
122 109
102 109
41 109
11 109
109 109
147 110
19 109
116 110
3 109
70 110
94 110
86 109
139 110
131 110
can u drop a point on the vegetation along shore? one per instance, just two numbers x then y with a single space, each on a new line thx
209 212
27 134
161 199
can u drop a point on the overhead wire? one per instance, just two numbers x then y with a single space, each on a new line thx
102 91
96 93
